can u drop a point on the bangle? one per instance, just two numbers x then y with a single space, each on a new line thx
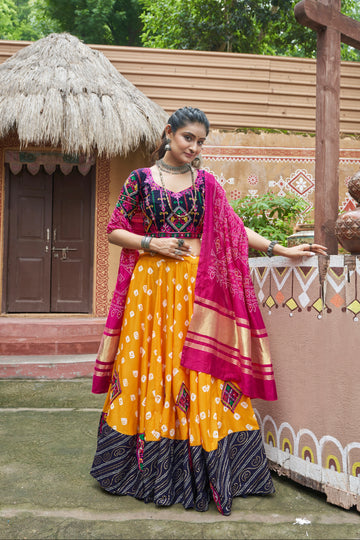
270 249
145 242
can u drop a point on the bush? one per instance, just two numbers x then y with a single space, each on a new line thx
273 216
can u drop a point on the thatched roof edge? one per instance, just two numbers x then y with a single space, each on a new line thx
59 91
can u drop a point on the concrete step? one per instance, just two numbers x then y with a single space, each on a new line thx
51 336
48 366
47 492
59 326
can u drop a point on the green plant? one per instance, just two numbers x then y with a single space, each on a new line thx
270 215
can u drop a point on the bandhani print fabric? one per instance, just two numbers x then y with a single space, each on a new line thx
183 352
173 435
226 336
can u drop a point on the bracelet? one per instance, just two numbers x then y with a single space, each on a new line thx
270 249
145 242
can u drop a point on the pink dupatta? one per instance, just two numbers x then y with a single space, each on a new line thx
111 335
226 335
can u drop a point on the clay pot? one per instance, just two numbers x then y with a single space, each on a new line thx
347 226
304 234
347 230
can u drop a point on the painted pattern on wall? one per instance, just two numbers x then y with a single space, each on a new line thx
303 288
312 312
251 170
102 293
324 460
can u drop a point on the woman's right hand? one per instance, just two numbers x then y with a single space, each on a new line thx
176 248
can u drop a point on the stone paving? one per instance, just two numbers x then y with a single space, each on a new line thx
48 437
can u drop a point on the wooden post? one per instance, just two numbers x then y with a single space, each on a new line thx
332 27
327 152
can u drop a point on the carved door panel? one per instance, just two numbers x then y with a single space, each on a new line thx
29 254
71 243
50 243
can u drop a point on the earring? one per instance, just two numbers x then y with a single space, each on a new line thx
167 146
196 162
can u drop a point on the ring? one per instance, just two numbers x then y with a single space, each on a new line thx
178 252
180 242
310 246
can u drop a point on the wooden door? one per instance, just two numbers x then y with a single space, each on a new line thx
29 254
71 243
49 263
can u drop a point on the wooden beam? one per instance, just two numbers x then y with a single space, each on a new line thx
324 16
319 16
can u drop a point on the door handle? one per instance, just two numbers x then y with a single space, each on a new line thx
47 240
64 251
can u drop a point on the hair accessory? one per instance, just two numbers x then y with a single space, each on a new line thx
181 242
165 167
270 249
145 242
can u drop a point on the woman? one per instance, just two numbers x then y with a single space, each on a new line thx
187 335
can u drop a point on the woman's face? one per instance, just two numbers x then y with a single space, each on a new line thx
186 143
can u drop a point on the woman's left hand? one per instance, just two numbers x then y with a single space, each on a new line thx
258 242
305 250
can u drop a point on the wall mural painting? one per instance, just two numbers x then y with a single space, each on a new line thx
102 293
305 289
327 291
313 289
303 453
252 170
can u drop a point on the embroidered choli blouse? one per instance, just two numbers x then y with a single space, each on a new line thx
143 197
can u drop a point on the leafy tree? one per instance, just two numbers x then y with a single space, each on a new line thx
39 18
246 26
195 24
8 18
113 22
25 20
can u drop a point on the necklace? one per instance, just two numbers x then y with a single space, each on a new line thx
182 214
171 169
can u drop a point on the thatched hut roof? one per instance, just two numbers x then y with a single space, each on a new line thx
61 92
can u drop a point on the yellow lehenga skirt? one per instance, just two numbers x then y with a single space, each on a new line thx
168 434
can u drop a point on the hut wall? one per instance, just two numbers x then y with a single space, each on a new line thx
248 163
311 312
110 176
235 90
10 142
243 163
